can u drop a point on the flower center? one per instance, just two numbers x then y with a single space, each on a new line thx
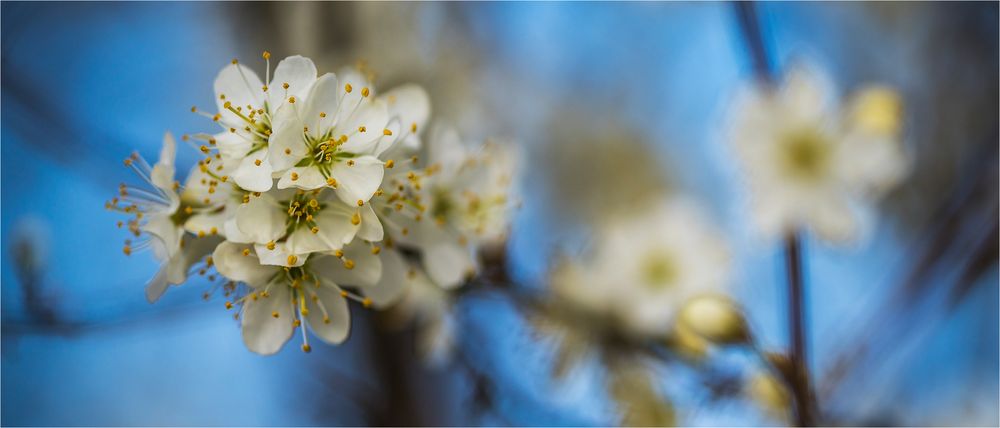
659 270
302 209
805 154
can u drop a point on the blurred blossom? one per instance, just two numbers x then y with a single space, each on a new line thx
766 391
811 163
643 269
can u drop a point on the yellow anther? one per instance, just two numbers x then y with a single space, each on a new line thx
275 314
413 127
227 105
128 162
216 117
313 203
350 162
201 233
306 348
322 114
291 100
296 323
292 259
288 151
362 129
270 245
266 55
127 250
338 253
295 176
343 293
326 319
229 305
348 88
213 230
367 302
348 264
194 109
406 231
390 163
332 182
235 61
376 249
284 85
256 162
356 219
264 88
314 229
246 251
365 92
386 132
361 203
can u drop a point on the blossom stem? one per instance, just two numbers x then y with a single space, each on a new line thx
798 380
796 329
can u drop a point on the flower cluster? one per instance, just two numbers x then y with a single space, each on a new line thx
316 190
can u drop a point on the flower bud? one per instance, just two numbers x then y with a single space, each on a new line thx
769 394
877 110
688 343
716 318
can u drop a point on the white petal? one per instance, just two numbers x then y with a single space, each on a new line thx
835 221
175 270
231 263
410 103
251 176
279 256
162 175
360 181
372 115
232 145
287 145
262 332
233 232
332 322
323 99
240 86
371 227
212 223
261 219
167 235
365 271
444 147
392 281
157 285
298 72
196 189
306 178
447 264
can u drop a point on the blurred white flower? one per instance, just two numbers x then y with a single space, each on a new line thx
811 164
281 299
642 270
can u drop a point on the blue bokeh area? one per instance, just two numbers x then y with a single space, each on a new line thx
85 84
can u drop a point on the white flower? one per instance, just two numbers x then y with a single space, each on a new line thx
162 217
251 110
310 292
331 140
290 224
644 269
811 165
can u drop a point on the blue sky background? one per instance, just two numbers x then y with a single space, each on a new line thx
84 84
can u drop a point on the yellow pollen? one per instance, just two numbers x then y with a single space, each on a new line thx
256 162
367 302
338 253
322 114
188 210
365 92
127 250
229 305
296 323
194 109
270 245
348 88
213 230
376 249
356 219
361 203
343 293
314 229
349 264
235 61
266 55
246 251
291 100
306 348
413 127
227 105
332 182
201 233
284 85
326 319
216 117
288 151
390 163
295 176
292 259
275 314
350 162
386 132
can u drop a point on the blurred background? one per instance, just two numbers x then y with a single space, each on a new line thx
903 327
